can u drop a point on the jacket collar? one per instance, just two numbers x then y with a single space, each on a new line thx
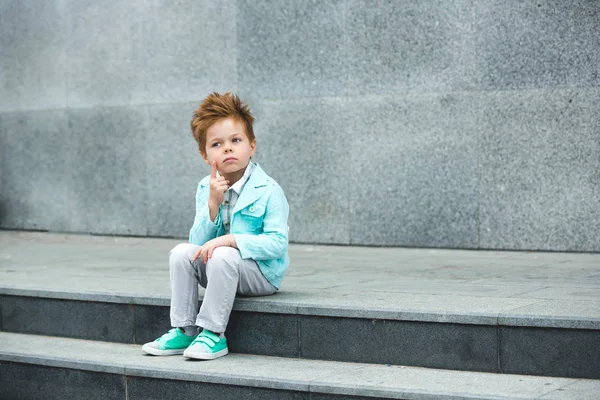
253 190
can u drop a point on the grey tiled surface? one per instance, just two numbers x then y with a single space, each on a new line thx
403 306
154 389
66 53
87 320
412 162
327 71
189 50
537 44
33 77
33 68
581 390
105 48
318 377
414 170
85 355
150 322
27 381
32 23
382 47
173 169
406 382
548 352
320 396
571 294
168 56
549 313
573 353
315 188
259 333
484 287
448 346
410 45
108 185
35 153
281 51
539 184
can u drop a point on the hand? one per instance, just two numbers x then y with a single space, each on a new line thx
218 187
207 248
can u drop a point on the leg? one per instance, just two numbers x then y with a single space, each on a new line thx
184 301
223 276
227 274
252 281
185 276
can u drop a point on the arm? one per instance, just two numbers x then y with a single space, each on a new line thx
208 215
203 229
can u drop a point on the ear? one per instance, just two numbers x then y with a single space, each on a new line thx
204 157
253 148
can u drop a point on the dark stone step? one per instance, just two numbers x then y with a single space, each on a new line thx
533 350
47 367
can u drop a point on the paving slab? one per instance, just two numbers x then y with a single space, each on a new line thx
581 390
439 285
577 314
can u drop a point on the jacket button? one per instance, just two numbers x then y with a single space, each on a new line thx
251 208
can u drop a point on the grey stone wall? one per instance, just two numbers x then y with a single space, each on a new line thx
462 124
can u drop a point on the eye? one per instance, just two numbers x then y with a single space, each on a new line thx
237 140
215 144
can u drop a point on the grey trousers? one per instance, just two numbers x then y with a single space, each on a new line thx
224 275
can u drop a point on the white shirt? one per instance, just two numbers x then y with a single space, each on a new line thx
231 196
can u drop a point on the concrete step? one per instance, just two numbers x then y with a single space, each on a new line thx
57 368
274 327
501 312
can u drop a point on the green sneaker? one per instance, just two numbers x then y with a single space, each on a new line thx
207 346
172 342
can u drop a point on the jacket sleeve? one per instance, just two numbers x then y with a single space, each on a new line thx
272 242
203 229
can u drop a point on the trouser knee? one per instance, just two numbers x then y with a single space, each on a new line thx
223 258
179 256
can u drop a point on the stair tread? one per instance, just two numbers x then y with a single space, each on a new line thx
456 286
290 374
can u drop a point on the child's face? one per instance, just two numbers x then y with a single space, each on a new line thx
228 145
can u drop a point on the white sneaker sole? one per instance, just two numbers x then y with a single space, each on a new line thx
156 352
205 356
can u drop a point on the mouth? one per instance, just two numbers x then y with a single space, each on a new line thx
229 159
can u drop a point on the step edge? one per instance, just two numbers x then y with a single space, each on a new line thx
311 386
224 379
505 318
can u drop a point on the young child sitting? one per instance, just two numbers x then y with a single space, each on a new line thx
238 242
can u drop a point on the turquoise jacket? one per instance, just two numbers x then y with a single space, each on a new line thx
259 223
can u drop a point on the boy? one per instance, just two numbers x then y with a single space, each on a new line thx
239 239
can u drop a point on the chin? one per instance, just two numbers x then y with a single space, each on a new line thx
232 168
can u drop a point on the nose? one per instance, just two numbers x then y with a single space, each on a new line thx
227 147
